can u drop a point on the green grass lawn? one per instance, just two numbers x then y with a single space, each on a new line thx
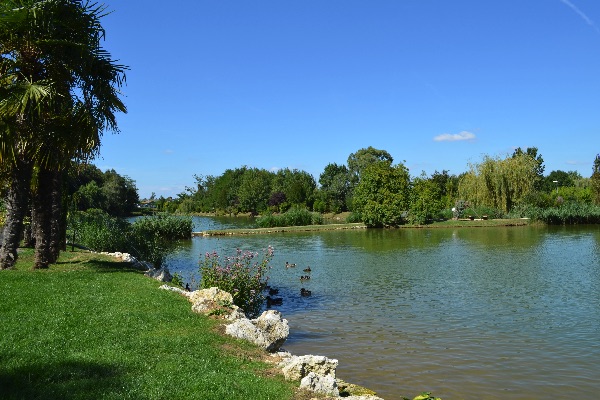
91 328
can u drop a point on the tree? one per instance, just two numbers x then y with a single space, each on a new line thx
499 183
595 180
383 194
58 94
335 186
255 190
426 199
539 169
359 161
298 186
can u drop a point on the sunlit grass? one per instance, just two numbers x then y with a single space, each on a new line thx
90 327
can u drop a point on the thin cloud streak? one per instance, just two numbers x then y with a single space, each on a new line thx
448 137
581 14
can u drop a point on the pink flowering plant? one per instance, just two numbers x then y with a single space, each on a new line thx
243 275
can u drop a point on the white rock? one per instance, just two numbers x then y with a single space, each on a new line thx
298 367
320 384
160 274
268 331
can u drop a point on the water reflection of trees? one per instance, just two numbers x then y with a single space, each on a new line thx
423 238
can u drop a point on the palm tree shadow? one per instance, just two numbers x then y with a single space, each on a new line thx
64 380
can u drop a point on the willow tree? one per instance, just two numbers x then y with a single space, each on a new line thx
58 94
499 183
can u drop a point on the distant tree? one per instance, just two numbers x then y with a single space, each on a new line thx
335 187
447 186
254 190
595 180
427 199
383 194
499 183
556 179
539 169
120 193
298 186
359 161
89 196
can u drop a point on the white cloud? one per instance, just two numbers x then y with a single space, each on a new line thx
448 137
168 151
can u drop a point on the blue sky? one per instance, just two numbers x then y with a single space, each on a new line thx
215 85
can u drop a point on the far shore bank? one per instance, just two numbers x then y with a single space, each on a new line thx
461 223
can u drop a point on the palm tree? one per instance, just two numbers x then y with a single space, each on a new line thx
58 94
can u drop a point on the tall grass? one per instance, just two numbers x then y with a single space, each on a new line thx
566 214
149 238
296 216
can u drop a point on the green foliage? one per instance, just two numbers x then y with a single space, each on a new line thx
353 217
153 238
241 275
499 183
148 238
595 180
568 213
382 195
426 200
358 162
97 230
335 188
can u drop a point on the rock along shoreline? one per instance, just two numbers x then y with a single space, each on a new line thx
269 331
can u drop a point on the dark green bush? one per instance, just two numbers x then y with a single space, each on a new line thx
296 216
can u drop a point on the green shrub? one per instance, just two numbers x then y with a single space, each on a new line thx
568 213
240 275
353 218
148 238
296 216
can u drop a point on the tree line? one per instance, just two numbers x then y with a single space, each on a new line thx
380 193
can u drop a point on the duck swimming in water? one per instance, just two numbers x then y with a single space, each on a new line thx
288 265
305 277
307 269
305 293
274 301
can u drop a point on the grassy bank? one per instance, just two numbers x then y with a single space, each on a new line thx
329 227
89 327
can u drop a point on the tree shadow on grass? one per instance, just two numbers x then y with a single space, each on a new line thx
99 265
66 380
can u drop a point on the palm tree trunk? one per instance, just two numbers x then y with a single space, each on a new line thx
56 227
16 206
41 215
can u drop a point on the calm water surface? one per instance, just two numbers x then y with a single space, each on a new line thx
481 313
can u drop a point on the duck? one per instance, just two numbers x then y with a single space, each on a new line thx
274 301
307 269
305 293
288 265
273 291
305 277
187 287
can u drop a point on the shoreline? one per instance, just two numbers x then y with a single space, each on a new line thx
462 223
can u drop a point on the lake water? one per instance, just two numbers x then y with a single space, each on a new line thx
479 313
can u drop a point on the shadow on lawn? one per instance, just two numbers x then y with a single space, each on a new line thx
99 265
65 380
